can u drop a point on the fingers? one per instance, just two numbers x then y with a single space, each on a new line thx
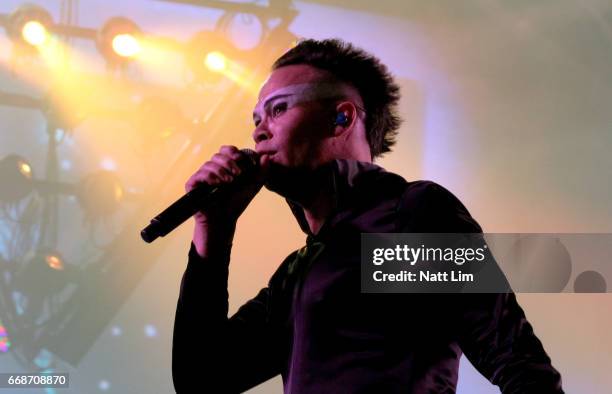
230 150
227 163
264 160
221 168
221 171
202 176
264 163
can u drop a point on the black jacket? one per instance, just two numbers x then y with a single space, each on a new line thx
313 325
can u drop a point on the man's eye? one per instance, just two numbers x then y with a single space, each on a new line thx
279 109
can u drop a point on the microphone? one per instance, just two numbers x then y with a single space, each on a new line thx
199 197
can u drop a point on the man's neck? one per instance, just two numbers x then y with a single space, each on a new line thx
313 192
318 210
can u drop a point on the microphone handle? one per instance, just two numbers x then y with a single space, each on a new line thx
177 213
186 206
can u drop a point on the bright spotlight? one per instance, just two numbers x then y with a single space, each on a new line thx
118 41
34 33
209 55
30 26
216 61
126 45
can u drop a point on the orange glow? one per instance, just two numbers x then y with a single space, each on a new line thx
216 61
235 72
54 262
118 192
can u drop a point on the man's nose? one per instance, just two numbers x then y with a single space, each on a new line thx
261 134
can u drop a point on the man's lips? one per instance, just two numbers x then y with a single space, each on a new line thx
269 153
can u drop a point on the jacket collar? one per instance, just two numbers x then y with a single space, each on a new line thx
348 179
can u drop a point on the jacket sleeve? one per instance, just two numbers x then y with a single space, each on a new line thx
492 328
498 340
209 350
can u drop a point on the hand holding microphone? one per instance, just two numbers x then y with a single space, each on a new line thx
217 194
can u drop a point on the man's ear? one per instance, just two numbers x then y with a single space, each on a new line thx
344 117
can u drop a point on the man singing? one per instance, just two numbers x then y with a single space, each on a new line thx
325 112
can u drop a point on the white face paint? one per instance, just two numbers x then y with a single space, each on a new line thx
292 95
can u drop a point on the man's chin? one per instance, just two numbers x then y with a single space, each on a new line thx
293 183
277 184
282 180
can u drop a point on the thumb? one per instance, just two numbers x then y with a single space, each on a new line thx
264 166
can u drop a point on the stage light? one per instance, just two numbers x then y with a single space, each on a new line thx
44 274
126 45
30 26
16 175
24 169
118 41
215 61
209 55
35 33
54 261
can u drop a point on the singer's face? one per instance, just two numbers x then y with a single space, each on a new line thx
293 120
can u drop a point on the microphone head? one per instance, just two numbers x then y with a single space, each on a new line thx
251 161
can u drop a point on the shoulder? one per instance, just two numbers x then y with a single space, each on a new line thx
280 276
426 206
427 193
